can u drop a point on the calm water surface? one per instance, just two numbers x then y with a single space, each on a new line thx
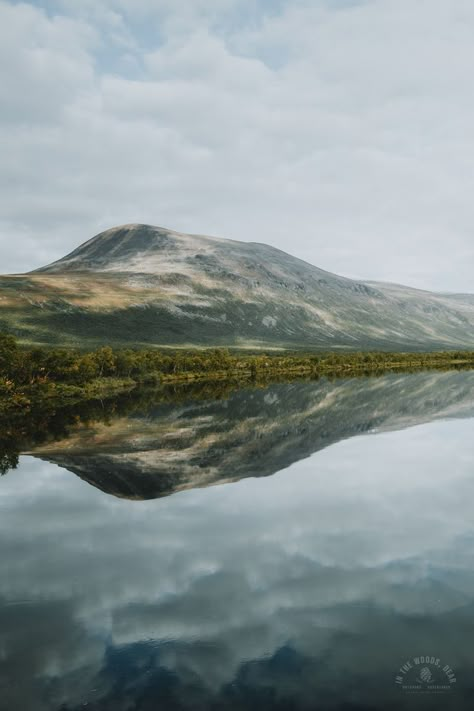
306 589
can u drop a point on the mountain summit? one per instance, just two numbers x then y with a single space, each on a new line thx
145 249
138 284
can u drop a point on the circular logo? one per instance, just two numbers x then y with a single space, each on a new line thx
425 675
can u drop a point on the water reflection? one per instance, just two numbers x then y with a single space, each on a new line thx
304 590
159 448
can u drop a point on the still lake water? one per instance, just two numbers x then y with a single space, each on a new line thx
307 588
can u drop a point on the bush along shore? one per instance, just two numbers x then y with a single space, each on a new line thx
65 375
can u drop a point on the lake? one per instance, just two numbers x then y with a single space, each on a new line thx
306 545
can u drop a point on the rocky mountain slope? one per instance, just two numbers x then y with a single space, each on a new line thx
138 285
254 432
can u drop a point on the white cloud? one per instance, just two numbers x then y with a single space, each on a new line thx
340 132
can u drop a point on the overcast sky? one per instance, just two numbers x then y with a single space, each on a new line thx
341 131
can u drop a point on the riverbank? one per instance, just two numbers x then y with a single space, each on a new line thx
62 376
321 370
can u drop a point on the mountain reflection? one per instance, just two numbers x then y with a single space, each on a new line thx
144 448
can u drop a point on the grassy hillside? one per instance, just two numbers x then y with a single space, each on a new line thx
88 310
139 285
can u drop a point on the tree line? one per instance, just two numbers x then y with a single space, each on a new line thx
44 369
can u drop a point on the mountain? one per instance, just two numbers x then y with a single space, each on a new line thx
255 432
139 285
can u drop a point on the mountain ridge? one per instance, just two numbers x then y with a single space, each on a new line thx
116 232
145 285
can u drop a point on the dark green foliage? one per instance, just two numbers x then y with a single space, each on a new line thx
8 460
43 372
8 352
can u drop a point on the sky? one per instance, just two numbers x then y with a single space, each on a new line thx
340 131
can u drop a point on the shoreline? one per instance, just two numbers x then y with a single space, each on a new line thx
24 398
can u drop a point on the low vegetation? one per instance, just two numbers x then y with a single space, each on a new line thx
61 374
